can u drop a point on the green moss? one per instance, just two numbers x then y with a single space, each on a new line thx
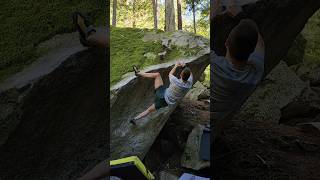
306 47
26 23
127 48
311 33
206 81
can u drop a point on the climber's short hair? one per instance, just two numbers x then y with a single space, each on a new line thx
185 74
243 39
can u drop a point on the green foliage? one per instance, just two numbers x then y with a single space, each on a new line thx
306 46
143 15
206 81
311 33
202 8
128 49
26 23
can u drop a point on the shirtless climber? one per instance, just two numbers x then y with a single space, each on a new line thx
177 89
235 75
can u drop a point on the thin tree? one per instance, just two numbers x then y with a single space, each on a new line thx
155 13
133 13
179 14
194 16
114 13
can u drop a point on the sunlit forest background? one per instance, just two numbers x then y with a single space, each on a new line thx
190 15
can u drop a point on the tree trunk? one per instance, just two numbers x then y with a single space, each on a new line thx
155 13
133 13
169 16
179 14
194 16
114 13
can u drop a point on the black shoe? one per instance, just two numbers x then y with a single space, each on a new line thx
133 122
83 33
136 70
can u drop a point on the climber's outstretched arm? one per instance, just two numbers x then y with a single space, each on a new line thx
260 48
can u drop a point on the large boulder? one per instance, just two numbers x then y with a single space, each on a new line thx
182 40
279 22
313 127
167 176
191 156
53 115
198 91
133 95
254 144
276 91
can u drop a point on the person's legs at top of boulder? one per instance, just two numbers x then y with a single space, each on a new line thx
89 36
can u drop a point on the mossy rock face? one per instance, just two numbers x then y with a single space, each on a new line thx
305 49
133 95
144 47
25 24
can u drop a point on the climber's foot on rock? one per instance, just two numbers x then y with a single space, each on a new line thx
80 24
136 70
133 121
83 27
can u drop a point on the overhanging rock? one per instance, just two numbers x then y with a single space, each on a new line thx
133 95
279 21
53 123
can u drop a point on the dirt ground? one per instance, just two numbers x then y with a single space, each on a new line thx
265 151
165 154
246 150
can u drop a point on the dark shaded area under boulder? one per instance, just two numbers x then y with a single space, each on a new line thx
60 121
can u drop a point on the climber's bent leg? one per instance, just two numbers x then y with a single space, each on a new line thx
156 76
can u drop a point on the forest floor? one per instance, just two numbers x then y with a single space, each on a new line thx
28 23
259 153
166 152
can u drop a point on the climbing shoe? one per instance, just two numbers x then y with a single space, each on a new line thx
84 33
136 70
133 122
